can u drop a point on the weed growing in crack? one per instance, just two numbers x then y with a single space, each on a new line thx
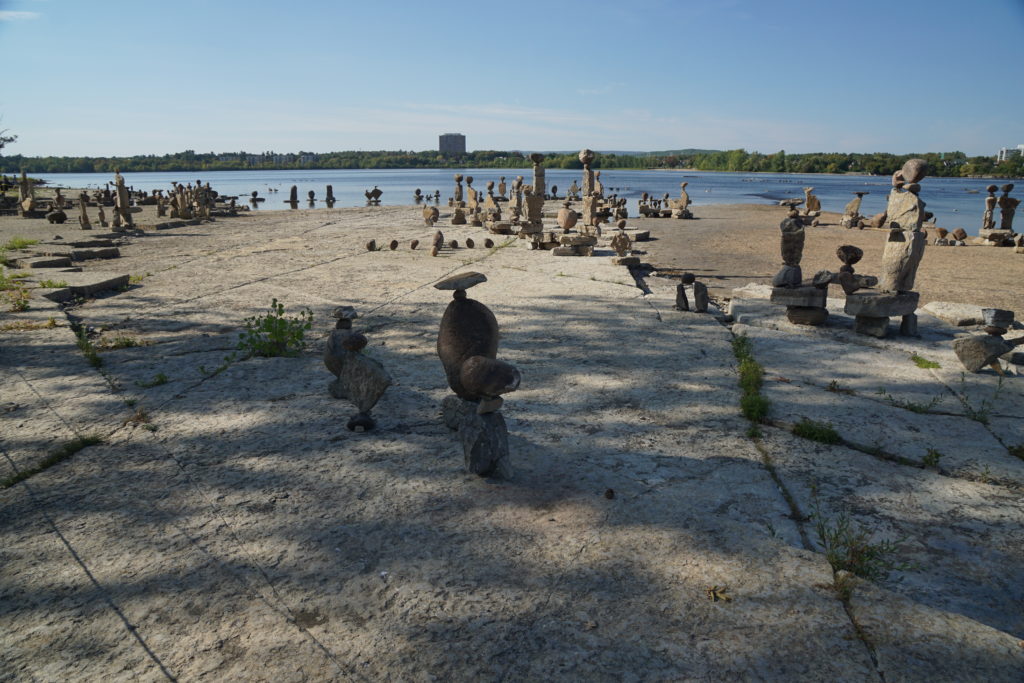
931 459
275 334
848 546
836 388
18 298
59 455
817 431
753 405
119 342
984 409
86 345
912 406
159 379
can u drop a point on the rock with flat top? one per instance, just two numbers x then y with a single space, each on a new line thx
954 313
881 304
461 281
981 351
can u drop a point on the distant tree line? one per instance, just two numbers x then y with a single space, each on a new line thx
948 164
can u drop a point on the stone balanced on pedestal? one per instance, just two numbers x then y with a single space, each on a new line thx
680 207
467 344
903 251
623 246
851 213
360 379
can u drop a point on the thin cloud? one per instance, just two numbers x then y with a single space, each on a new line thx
18 16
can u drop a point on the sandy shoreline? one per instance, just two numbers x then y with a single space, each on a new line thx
729 245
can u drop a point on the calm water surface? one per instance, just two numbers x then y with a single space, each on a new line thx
951 199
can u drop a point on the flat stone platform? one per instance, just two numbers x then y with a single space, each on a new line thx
229 526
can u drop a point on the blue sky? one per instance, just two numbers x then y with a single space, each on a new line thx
124 77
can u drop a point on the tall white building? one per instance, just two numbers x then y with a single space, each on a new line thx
1009 152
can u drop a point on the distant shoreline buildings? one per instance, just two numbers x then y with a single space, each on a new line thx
451 143
1007 153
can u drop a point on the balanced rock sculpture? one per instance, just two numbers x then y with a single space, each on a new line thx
467 344
359 378
680 207
792 250
622 245
851 213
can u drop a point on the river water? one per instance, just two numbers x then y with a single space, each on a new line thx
956 202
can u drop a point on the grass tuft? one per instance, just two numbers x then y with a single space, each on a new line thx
924 363
160 378
87 348
753 405
817 431
18 243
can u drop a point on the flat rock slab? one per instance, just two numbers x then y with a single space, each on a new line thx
881 304
83 244
86 254
88 283
961 315
460 281
42 262
800 296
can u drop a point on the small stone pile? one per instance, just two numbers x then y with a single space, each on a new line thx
980 351
359 378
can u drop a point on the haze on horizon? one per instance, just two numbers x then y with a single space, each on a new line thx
122 78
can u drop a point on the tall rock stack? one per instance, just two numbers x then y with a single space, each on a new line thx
905 212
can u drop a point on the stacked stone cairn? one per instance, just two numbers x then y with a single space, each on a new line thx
700 294
1004 235
804 302
373 196
580 243
359 378
458 206
430 215
467 344
492 212
812 206
123 212
980 351
623 246
902 255
851 213
83 216
680 207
